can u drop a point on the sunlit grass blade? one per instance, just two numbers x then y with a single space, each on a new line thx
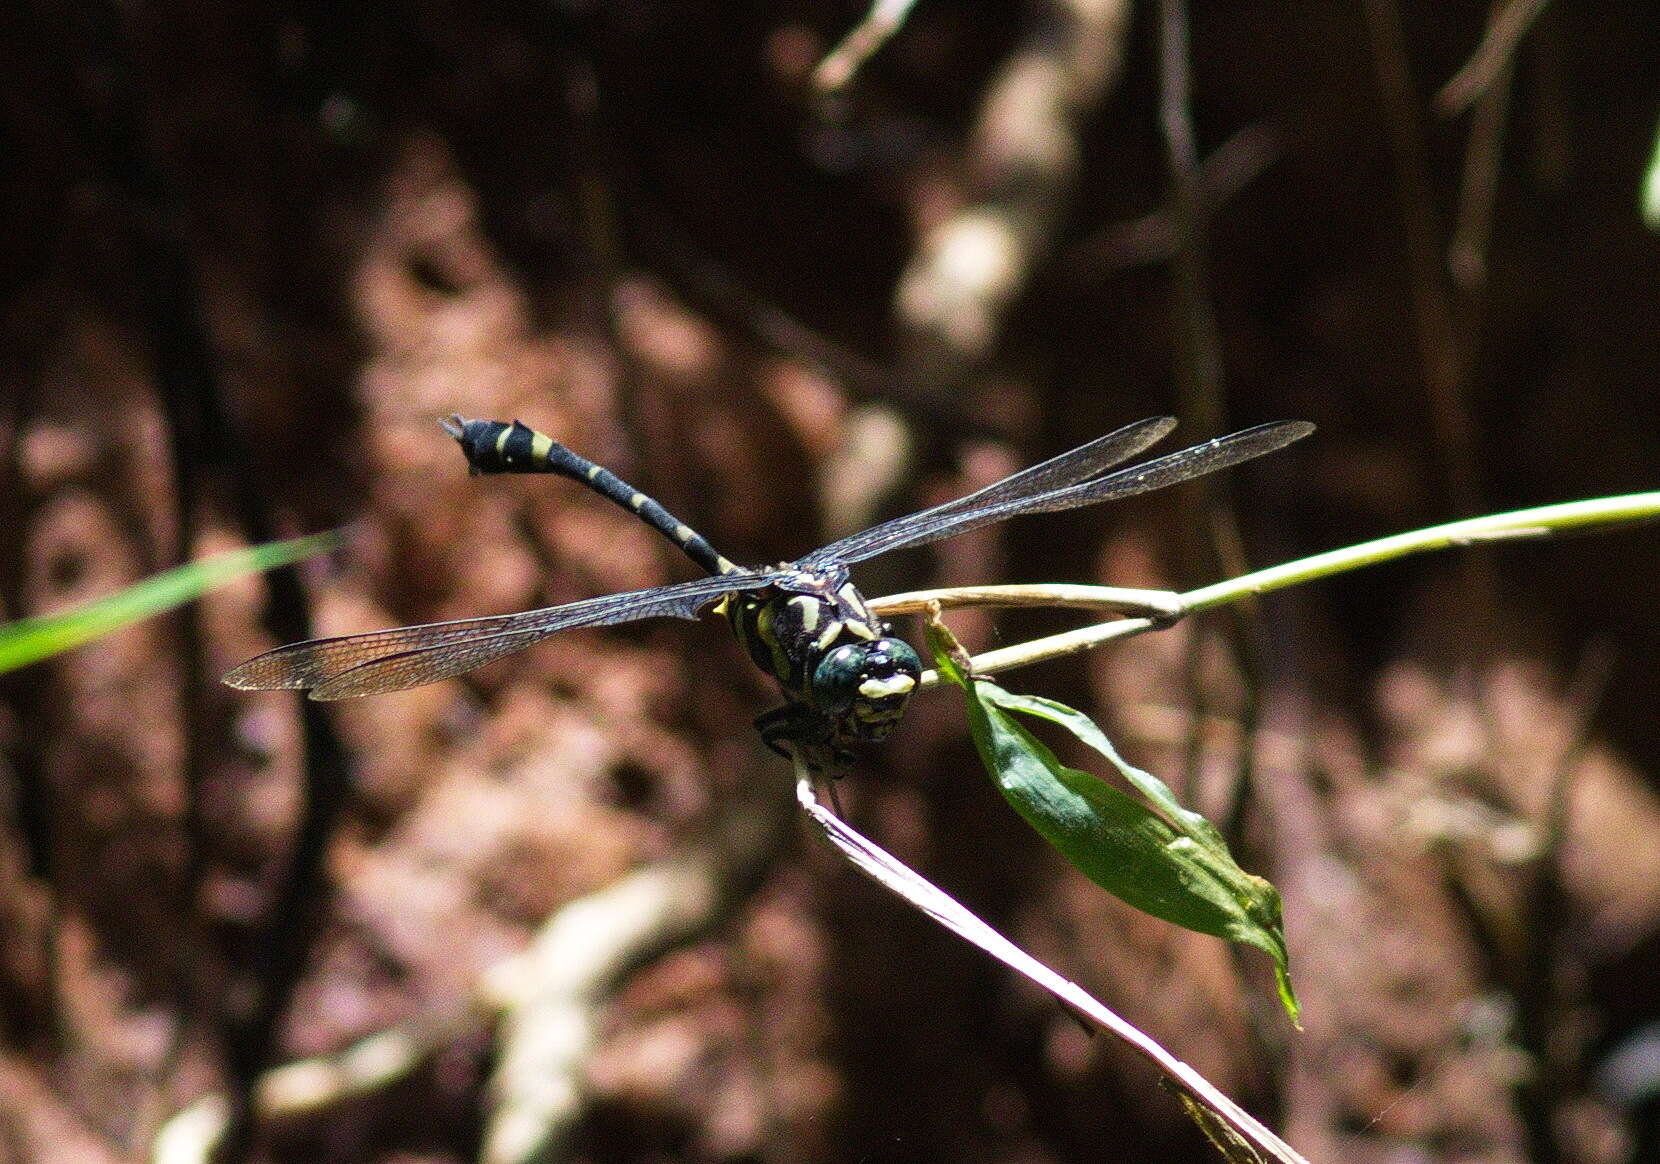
1156 856
30 640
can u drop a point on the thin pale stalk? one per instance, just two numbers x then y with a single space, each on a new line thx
1541 521
1151 603
894 875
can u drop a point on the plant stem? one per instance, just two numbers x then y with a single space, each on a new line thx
1541 521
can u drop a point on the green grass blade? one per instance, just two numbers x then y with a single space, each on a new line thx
30 640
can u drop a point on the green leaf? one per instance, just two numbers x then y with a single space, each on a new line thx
31 639
1158 856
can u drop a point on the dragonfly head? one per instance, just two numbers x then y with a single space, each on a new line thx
865 686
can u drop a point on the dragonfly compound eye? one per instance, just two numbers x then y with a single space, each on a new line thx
865 686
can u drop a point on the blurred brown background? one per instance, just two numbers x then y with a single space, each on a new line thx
254 250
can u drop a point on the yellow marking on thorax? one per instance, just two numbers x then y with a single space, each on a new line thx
540 446
764 627
849 594
809 607
831 631
501 441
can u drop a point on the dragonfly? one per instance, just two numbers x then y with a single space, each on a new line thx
844 677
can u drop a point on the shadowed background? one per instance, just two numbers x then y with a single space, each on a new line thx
255 251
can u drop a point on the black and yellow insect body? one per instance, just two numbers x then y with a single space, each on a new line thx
494 447
845 679
843 676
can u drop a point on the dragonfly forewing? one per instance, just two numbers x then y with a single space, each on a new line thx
391 660
1068 468
1168 470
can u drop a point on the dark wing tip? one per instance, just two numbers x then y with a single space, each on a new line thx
1157 428
1160 427
1270 435
1289 431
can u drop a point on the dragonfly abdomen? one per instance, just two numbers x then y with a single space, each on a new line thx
493 446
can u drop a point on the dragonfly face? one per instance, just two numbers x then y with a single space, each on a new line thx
864 687
844 677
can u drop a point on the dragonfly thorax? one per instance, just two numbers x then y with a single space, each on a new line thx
813 632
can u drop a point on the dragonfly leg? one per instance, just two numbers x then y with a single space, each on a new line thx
797 730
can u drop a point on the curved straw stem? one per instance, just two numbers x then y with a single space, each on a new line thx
1158 608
